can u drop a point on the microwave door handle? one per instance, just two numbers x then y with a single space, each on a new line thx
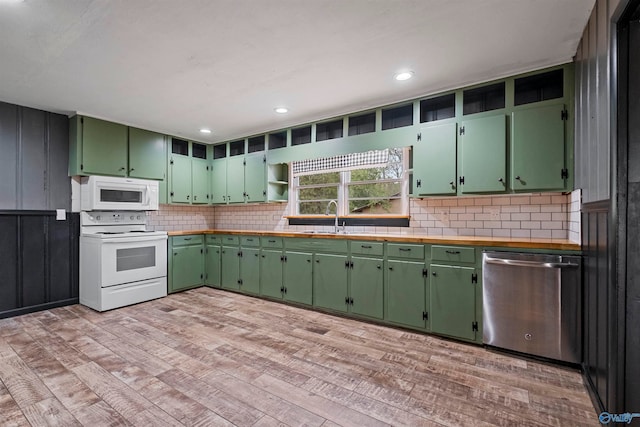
148 202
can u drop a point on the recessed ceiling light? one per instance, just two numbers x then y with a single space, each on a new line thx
281 110
405 75
205 131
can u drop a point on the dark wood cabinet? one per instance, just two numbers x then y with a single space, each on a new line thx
39 267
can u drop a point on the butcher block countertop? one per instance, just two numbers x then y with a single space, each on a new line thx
504 242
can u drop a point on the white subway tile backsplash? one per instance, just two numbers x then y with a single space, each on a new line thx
537 215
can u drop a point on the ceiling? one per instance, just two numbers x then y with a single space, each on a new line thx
178 66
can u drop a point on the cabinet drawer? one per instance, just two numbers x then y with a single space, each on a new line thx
318 245
367 248
453 254
230 240
272 242
191 239
250 241
398 250
212 239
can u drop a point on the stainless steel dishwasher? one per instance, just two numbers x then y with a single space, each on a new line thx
532 304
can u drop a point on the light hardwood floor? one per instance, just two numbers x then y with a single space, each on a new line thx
209 357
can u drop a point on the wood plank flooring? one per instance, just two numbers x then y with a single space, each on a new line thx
212 358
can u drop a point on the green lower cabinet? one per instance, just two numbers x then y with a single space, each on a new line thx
366 287
406 293
250 270
453 301
330 279
230 274
298 276
271 284
212 265
187 267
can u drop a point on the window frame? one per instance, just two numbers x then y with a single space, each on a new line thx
343 195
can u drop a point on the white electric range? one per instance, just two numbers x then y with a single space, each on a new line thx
121 262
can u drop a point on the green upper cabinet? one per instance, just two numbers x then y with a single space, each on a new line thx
180 185
219 181
235 179
97 147
188 172
538 148
453 301
483 155
147 154
434 160
200 181
255 175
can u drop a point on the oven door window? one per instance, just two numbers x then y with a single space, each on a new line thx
135 258
121 196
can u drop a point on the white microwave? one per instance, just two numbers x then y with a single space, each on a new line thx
115 193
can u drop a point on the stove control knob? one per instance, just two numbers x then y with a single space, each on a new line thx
138 217
98 217
131 216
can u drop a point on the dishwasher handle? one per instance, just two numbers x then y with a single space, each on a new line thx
535 264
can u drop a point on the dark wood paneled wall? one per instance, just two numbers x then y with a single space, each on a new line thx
39 267
599 357
35 157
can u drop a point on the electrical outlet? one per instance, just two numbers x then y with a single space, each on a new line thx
494 213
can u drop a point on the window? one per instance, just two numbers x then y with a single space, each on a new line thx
363 184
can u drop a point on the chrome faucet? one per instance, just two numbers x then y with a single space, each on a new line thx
335 225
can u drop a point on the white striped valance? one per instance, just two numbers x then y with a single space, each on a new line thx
365 160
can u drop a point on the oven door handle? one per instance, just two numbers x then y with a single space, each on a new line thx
134 239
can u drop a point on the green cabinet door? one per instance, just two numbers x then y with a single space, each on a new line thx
187 267
219 181
483 155
366 287
330 278
235 179
212 265
180 185
255 175
453 301
434 160
104 147
147 154
406 294
230 268
298 276
271 273
250 270
199 181
538 149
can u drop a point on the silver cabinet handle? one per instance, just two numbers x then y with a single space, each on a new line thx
534 264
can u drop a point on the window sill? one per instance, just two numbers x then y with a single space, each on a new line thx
351 220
